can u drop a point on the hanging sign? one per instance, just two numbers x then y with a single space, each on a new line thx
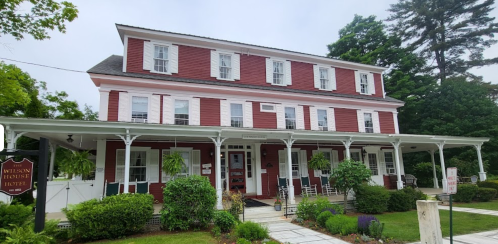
451 177
16 177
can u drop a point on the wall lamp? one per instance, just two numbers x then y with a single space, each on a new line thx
69 138
264 152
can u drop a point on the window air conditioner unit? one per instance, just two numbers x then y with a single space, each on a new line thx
135 120
322 128
391 171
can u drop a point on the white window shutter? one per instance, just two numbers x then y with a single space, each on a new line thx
164 177
280 116
215 69
269 71
124 107
299 118
361 121
316 75
331 119
313 118
288 73
376 122
335 159
195 111
153 166
395 120
303 164
225 113
248 115
173 58
316 172
282 163
148 58
168 110
357 80
120 162
371 84
236 66
155 109
196 162
333 81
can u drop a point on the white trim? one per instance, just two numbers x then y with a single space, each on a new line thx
100 167
382 81
125 53
395 120
268 104
104 105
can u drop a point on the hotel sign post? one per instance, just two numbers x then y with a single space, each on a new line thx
16 177
452 189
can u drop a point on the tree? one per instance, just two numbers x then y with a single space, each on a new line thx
44 15
445 31
14 88
89 114
349 176
60 108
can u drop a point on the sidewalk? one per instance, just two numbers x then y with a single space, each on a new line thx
470 210
488 237
286 232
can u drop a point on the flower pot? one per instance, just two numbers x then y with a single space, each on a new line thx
278 207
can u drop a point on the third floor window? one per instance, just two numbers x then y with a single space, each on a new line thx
139 109
278 73
225 66
181 112
161 59
290 118
364 83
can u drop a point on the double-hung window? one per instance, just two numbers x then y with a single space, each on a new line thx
329 158
372 163
368 123
290 118
139 109
364 83
161 59
278 73
355 156
389 159
295 164
324 79
236 115
181 112
138 166
186 163
322 119
225 66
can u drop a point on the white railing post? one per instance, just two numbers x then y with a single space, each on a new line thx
218 141
396 158
288 143
443 167
128 141
482 174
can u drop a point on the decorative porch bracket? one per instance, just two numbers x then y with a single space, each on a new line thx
347 143
440 145
53 148
482 174
288 143
127 140
396 158
218 141
11 139
436 182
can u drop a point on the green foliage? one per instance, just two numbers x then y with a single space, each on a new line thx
349 176
15 214
425 175
371 199
224 220
61 108
485 194
243 241
414 196
77 163
465 168
488 184
399 201
173 163
44 15
342 224
12 92
319 162
89 114
25 235
305 209
376 229
188 202
252 231
323 217
309 210
465 193
113 217
216 231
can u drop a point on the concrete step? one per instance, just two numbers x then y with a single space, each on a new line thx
269 220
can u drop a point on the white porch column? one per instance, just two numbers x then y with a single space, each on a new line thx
257 154
443 168
98 184
347 143
127 140
218 141
436 183
482 174
288 143
398 168
53 149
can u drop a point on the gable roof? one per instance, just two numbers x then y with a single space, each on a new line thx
113 65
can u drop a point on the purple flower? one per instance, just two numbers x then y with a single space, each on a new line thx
330 210
364 222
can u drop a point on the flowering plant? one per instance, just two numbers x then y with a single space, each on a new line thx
278 201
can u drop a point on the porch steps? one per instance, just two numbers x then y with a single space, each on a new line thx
265 215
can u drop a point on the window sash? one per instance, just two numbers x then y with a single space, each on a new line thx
324 79
237 115
295 164
356 156
290 118
278 73
389 159
322 119
139 107
225 66
368 122
372 163
327 156
181 112
138 165
364 83
186 160
161 59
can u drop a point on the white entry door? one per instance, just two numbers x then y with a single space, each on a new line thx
372 162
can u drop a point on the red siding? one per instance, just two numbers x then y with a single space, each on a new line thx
378 85
210 112
134 56
112 111
346 120
345 81
302 76
263 119
307 123
386 122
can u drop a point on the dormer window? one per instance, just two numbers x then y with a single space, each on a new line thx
363 83
161 59
225 66
139 109
324 78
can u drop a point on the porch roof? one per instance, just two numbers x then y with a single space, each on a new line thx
86 133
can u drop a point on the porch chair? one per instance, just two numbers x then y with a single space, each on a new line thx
307 188
326 188
142 187
111 188
473 179
282 186
411 181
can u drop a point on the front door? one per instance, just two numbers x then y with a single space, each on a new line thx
236 170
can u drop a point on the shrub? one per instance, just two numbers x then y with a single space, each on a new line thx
364 222
371 199
488 184
376 229
414 195
305 209
188 202
485 194
216 231
224 220
251 231
15 214
25 235
465 193
424 173
243 241
323 217
309 210
342 224
113 217
399 201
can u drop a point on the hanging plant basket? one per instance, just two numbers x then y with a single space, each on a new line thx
319 162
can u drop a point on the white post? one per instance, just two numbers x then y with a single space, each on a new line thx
257 155
429 222
398 168
347 143
436 183
218 141
53 149
482 174
100 169
289 143
443 168
127 140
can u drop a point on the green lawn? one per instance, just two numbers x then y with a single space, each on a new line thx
403 226
493 205
179 238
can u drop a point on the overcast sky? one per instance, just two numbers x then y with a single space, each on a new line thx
304 26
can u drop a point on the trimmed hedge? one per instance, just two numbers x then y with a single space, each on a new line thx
488 184
113 217
485 194
371 199
399 201
414 195
465 193
252 231
342 224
